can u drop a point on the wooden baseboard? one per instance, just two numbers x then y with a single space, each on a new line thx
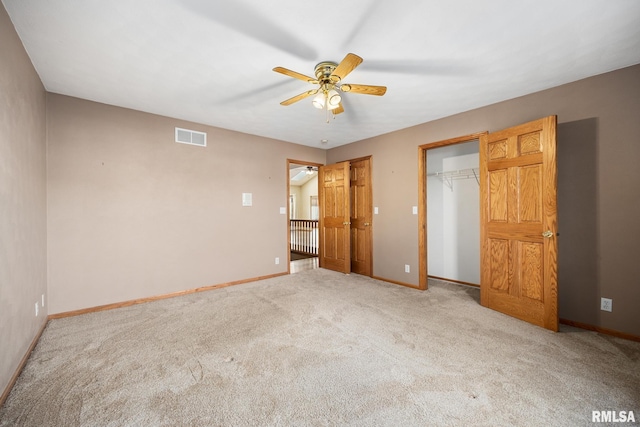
21 365
605 331
159 297
431 277
454 281
395 282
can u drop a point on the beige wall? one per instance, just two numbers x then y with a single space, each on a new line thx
23 262
302 194
310 188
598 190
296 192
132 214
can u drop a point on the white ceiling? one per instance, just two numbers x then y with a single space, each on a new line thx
300 175
211 61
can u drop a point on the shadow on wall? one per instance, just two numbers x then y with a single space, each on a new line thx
578 275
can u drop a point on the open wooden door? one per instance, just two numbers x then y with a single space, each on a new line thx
519 275
361 216
334 224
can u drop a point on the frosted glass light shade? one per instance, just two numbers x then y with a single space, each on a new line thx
334 99
319 101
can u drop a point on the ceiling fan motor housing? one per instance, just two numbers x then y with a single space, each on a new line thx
323 72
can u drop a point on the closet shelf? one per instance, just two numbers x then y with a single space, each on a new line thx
448 177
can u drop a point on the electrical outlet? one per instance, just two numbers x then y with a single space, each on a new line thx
36 309
606 304
407 269
277 260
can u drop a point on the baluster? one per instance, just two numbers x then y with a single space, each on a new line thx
306 237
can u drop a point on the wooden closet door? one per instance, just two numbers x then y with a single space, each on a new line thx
519 275
361 217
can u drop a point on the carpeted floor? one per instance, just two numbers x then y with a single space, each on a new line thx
320 348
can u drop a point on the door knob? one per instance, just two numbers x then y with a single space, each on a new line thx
547 234
346 223
366 224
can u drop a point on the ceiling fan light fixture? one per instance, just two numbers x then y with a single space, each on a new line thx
319 101
334 99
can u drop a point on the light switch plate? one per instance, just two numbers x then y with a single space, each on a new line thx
375 210
283 211
415 210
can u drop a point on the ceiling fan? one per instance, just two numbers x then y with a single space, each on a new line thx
329 76
300 173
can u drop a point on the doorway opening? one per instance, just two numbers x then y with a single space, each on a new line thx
453 213
302 215
449 210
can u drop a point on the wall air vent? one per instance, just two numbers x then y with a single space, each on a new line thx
192 137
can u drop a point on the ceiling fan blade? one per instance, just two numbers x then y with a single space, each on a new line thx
299 97
437 67
295 75
248 21
365 18
339 109
250 94
348 64
364 89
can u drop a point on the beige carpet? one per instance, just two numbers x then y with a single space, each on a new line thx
319 348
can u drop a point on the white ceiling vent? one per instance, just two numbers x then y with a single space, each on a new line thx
186 136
